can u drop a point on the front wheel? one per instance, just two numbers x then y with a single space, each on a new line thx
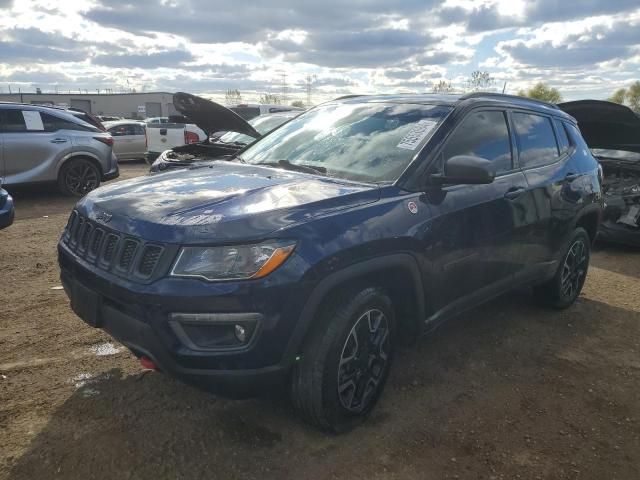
78 177
563 289
346 361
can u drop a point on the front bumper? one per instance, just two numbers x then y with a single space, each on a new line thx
139 315
111 174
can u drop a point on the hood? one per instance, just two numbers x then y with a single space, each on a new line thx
220 202
606 125
210 116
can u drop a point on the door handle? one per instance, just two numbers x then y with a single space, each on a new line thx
514 193
59 140
571 177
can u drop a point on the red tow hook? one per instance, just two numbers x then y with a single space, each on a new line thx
148 363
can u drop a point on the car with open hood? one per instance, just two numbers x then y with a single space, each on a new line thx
612 132
225 146
364 222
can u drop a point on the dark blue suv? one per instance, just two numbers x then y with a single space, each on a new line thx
306 258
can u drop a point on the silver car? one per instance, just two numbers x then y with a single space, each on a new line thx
129 138
47 144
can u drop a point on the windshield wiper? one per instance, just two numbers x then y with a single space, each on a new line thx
296 167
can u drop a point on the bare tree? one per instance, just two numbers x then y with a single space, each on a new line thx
443 86
480 81
232 97
270 98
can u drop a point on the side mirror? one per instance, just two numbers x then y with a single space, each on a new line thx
464 169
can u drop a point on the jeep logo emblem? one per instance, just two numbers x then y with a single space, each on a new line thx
104 217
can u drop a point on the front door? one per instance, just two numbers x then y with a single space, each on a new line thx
473 238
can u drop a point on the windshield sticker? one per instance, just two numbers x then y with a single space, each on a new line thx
32 120
417 133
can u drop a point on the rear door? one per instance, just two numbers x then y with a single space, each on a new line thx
473 237
553 186
32 147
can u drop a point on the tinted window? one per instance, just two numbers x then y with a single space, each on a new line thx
52 123
563 139
12 121
536 140
483 134
371 142
127 129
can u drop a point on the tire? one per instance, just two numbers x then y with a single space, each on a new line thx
333 357
565 286
78 177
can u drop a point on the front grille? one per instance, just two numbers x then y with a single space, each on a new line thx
127 254
109 250
150 257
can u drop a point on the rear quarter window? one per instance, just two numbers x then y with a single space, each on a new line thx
563 139
536 140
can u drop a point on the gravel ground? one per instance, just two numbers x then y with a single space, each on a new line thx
509 390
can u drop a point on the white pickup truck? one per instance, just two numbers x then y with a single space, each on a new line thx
163 136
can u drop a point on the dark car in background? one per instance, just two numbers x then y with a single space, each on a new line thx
612 131
361 223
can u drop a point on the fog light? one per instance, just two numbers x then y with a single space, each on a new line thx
241 334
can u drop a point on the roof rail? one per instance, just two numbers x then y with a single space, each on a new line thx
506 96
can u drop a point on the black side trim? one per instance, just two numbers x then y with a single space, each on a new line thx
402 260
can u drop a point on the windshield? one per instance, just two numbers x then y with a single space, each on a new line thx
369 142
263 125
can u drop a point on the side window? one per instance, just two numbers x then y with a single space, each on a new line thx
52 123
137 130
12 121
536 140
117 131
563 139
483 134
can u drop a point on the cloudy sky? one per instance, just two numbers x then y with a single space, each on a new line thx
585 48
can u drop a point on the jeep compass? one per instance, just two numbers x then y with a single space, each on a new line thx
303 260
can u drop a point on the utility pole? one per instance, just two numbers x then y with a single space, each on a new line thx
309 85
284 86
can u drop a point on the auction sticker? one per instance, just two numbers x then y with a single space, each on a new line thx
417 133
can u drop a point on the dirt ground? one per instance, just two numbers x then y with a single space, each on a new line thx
507 391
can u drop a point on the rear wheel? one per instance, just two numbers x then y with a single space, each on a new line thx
563 289
345 362
78 177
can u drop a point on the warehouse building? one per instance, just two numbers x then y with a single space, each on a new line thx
128 105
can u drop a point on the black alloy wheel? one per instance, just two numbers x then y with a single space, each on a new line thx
78 177
363 360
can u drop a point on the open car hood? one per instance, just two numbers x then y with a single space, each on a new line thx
606 125
210 116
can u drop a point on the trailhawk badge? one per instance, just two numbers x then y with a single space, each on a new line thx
413 208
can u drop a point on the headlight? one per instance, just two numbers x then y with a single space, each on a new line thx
234 262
